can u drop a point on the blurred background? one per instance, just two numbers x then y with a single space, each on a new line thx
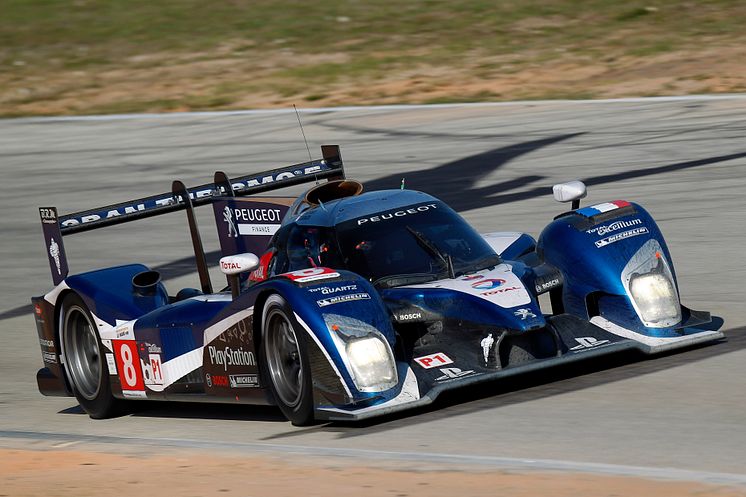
110 56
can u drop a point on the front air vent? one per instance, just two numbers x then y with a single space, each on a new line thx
527 347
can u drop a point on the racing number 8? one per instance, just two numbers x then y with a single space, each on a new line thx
129 370
128 364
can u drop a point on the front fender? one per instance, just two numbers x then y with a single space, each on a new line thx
341 293
592 251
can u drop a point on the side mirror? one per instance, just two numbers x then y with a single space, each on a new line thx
572 191
233 265
239 263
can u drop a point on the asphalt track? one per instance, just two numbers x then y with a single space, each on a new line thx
681 416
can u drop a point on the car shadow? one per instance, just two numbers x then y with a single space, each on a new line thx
456 182
195 410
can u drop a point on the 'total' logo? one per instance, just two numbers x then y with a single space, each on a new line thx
433 360
488 284
230 265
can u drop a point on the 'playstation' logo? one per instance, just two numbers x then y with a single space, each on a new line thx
588 343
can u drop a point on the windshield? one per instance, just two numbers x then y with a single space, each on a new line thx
427 239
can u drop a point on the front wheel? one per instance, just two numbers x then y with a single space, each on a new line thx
84 362
286 361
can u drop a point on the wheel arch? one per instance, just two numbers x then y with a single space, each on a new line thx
329 384
261 300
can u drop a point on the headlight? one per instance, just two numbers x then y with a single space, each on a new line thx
655 297
365 352
650 285
371 364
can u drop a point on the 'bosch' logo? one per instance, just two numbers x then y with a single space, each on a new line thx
488 284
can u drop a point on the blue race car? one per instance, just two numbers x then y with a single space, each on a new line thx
342 305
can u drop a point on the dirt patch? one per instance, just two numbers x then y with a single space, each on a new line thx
233 80
80 474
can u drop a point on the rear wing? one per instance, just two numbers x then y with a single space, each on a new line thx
54 226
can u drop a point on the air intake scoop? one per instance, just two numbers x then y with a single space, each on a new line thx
333 190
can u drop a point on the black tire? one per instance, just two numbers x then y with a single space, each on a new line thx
84 360
285 359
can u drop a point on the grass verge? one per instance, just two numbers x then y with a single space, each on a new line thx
99 56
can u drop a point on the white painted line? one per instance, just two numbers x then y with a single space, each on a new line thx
446 459
368 108
62 445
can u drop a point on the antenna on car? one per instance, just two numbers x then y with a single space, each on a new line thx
402 184
310 158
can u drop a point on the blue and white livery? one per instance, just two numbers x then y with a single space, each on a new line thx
344 304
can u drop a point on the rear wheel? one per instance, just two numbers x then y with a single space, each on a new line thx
84 362
286 361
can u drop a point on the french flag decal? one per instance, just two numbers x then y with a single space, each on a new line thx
594 210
